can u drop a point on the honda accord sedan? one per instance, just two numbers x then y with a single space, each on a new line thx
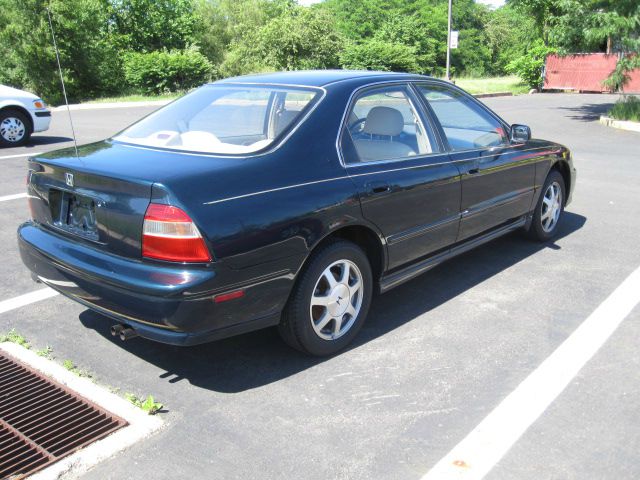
285 199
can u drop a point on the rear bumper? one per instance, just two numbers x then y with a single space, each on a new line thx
162 302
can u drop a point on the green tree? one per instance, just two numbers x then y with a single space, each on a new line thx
542 11
88 51
509 32
299 38
591 25
361 19
211 31
413 31
148 25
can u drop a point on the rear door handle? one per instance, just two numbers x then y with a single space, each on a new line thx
378 187
473 171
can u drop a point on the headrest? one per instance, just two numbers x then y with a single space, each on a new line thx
383 121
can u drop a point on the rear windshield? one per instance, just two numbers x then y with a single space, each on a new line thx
222 119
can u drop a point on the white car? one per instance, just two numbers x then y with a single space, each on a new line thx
21 114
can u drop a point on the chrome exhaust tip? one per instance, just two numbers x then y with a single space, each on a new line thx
116 329
127 333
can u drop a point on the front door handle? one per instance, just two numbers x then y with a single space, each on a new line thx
377 188
473 171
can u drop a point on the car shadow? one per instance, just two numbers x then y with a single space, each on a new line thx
260 358
588 112
39 140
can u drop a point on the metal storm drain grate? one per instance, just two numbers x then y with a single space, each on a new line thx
42 421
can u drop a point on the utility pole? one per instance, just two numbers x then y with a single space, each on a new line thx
449 44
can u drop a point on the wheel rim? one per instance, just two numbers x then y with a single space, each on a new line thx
551 207
336 300
12 129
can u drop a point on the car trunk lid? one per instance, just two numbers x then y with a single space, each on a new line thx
96 207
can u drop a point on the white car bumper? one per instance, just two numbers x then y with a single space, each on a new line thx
41 120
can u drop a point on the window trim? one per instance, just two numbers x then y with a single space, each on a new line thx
448 86
415 102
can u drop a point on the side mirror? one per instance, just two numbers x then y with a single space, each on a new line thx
520 133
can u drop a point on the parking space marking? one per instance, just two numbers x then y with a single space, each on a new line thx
483 448
30 154
13 197
26 299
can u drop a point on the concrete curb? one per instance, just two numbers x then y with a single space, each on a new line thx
620 124
104 106
140 425
491 95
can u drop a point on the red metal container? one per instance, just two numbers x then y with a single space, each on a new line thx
584 72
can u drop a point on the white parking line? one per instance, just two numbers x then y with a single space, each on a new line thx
479 452
30 154
26 299
13 197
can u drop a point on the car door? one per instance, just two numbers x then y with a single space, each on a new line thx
497 177
408 186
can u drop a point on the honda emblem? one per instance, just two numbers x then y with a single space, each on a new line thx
68 179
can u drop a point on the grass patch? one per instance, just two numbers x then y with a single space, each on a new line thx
135 98
69 365
45 352
626 109
148 404
15 337
511 83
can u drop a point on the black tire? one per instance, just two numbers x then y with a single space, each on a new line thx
8 114
540 230
297 327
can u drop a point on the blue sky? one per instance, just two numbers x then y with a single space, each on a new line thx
494 3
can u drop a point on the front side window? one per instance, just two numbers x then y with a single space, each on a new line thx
223 119
465 123
384 125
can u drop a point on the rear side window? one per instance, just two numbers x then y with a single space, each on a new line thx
465 123
383 124
223 119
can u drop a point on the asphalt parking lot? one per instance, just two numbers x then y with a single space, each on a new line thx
436 356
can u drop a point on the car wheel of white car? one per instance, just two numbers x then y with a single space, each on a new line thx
14 128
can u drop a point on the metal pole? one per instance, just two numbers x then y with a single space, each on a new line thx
449 44
64 90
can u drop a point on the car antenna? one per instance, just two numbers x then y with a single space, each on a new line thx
64 90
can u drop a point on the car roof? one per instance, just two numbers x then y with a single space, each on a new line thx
320 78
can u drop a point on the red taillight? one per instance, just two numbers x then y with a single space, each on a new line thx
169 234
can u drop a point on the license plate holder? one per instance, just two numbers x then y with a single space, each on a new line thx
76 214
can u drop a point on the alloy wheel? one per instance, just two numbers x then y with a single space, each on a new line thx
336 300
551 207
12 129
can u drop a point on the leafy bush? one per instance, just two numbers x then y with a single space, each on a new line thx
380 55
166 71
626 109
529 66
